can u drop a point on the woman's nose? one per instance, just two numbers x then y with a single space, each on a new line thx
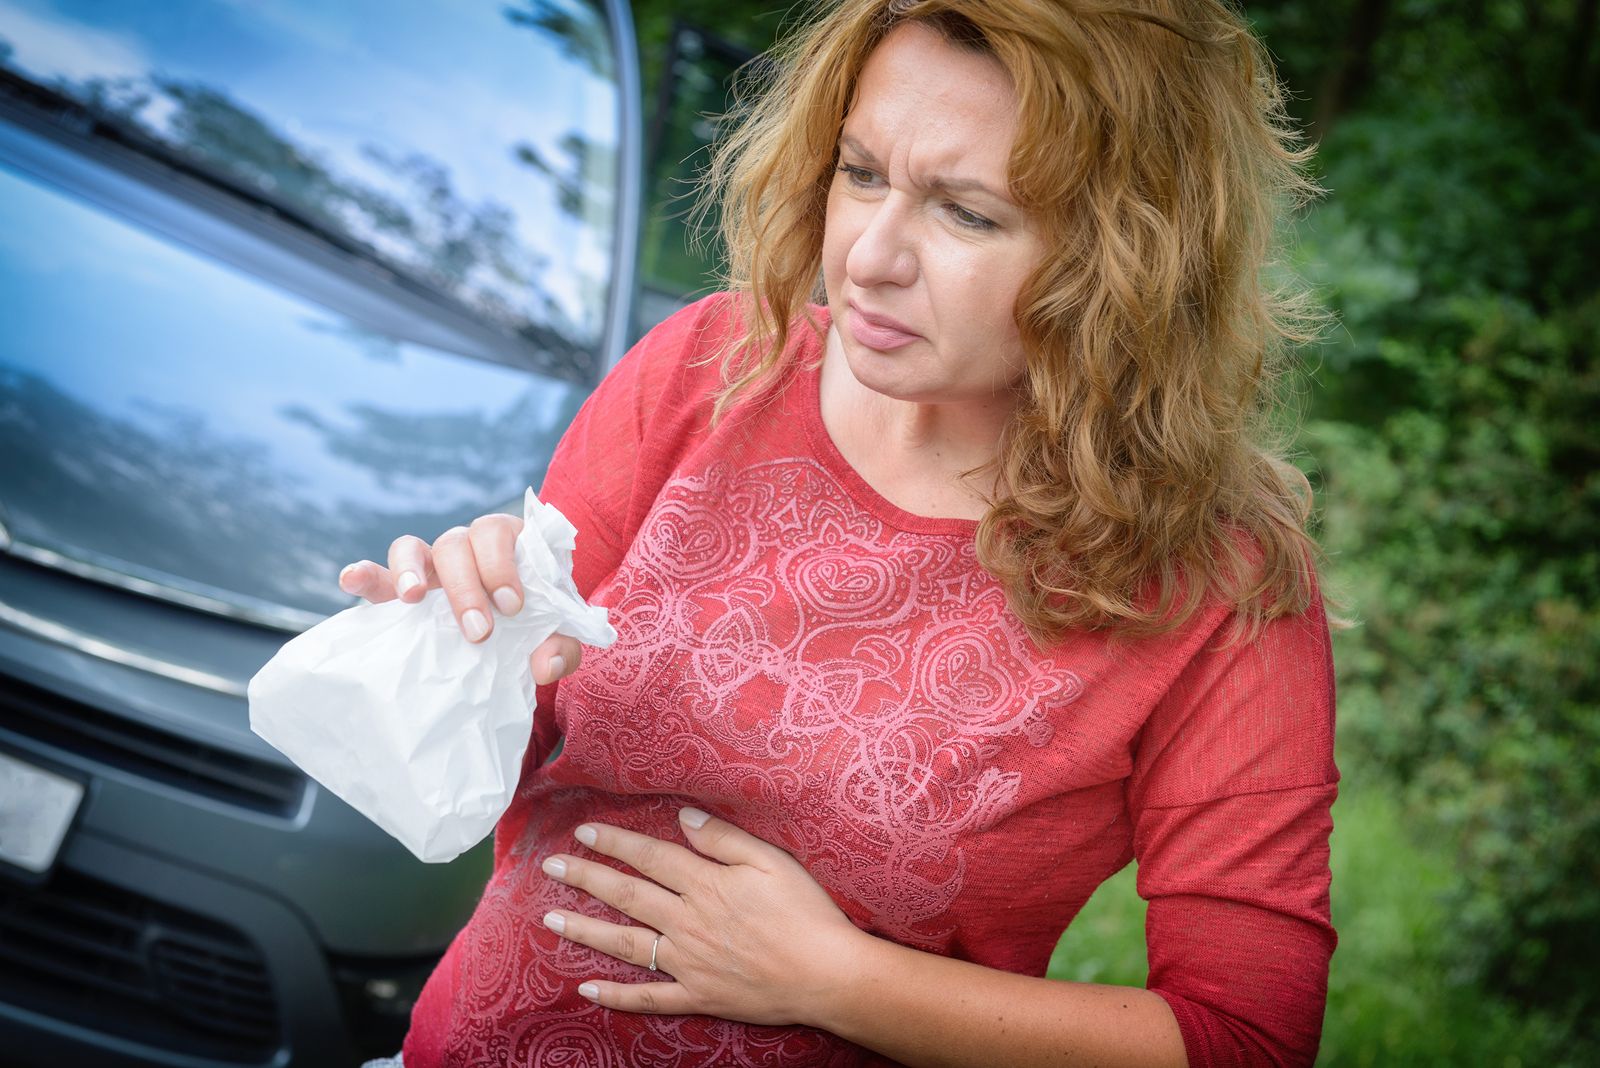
883 252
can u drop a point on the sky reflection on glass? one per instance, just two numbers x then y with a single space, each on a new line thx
180 417
464 142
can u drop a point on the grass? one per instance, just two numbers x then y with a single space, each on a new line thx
1391 999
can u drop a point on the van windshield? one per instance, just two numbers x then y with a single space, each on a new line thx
472 146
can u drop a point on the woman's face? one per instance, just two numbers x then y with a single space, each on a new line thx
924 252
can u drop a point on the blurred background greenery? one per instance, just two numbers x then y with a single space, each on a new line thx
1448 423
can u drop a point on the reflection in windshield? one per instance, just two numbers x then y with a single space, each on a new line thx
172 493
471 145
578 34
164 412
178 476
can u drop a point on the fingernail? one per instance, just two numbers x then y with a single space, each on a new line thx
506 599
586 834
473 624
589 990
408 581
555 921
556 868
694 817
556 666
348 573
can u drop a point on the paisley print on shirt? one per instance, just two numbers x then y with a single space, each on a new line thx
783 627
840 687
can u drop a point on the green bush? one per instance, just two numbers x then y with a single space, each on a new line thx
1453 434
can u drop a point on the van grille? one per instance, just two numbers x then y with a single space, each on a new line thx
103 957
119 742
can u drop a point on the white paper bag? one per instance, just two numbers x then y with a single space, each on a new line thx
391 708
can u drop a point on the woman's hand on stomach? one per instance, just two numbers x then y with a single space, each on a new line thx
745 932
476 567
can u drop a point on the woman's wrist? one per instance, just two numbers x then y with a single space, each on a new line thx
848 962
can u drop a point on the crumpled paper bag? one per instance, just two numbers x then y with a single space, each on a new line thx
421 731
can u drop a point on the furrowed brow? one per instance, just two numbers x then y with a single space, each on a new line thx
942 183
965 185
859 150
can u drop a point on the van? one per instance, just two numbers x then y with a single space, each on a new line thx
281 281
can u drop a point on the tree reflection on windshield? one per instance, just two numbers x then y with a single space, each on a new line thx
488 452
177 493
192 487
172 410
580 38
490 180
467 250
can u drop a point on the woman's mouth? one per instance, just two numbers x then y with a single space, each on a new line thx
878 332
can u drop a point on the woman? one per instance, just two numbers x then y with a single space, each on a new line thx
938 602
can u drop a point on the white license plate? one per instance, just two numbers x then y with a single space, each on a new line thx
36 808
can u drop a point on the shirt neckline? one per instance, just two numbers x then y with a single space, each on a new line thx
809 378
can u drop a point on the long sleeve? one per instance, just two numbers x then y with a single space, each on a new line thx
621 446
1232 785
620 449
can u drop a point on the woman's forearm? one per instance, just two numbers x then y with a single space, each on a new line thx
925 1011
747 934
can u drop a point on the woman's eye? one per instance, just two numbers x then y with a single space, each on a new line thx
970 219
858 176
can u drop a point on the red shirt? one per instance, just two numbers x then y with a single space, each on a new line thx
841 678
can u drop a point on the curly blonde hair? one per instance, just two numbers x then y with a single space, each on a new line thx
1136 482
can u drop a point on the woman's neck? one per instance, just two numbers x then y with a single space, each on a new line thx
916 455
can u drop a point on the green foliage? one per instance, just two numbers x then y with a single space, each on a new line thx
752 24
1105 943
1392 997
1454 436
